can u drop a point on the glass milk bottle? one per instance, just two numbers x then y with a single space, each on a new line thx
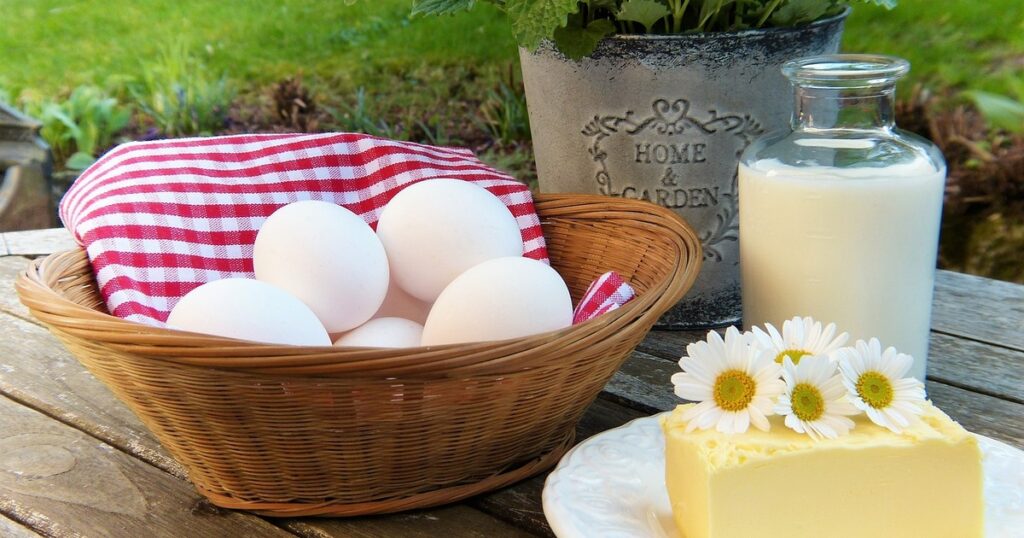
840 217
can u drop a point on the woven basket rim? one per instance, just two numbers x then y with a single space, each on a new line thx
35 289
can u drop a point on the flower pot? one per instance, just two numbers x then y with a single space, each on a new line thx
664 118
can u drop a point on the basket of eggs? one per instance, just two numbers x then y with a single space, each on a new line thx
280 422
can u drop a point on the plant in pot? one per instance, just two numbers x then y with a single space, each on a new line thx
656 99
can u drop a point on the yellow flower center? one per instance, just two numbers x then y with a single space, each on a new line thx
875 389
808 404
794 355
734 390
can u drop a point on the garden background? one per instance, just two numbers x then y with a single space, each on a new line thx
102 72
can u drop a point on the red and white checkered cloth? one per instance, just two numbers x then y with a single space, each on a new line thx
607 293
160 218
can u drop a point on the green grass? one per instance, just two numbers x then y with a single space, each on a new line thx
951 44
53 45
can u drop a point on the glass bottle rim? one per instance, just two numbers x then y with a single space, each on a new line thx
845 70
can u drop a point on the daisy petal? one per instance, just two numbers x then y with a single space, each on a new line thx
758 419
742 422
725 423
693 391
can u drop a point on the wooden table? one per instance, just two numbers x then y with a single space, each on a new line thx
74 461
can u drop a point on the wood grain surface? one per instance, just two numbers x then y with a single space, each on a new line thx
12 529
38 372
455 521
976 366
980 309
10 266
36 242
65 483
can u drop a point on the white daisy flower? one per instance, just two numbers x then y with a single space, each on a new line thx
735 384
815 400
800 337
875 382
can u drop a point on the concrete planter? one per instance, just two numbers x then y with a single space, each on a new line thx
664 119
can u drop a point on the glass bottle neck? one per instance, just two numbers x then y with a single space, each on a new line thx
820 108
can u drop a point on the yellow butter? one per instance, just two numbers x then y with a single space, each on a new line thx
925 481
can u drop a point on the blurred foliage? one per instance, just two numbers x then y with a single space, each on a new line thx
180 96
1000 112
82 125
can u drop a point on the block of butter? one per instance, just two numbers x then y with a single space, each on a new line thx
925 481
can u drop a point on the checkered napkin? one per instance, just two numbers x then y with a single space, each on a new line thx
160 218
607 293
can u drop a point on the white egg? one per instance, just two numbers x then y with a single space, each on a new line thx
326 256
399 304
499 299
383 332
248 310
435 230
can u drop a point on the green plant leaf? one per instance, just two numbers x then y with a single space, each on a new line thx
795 12
534 20
55 112
1000 111
576 42
79 161
645 12
441 7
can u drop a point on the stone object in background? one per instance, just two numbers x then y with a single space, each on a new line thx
26 202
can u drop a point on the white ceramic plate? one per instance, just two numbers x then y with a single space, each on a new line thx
613 485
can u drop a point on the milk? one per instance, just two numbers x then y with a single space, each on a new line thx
854 246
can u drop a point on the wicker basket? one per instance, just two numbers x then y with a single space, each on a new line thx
298 431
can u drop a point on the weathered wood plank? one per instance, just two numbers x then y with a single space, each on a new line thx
992 417
456 521
976 366
644 382
37 242
521 504
666 344
980 309
36 369
65 483
10 268
12 529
